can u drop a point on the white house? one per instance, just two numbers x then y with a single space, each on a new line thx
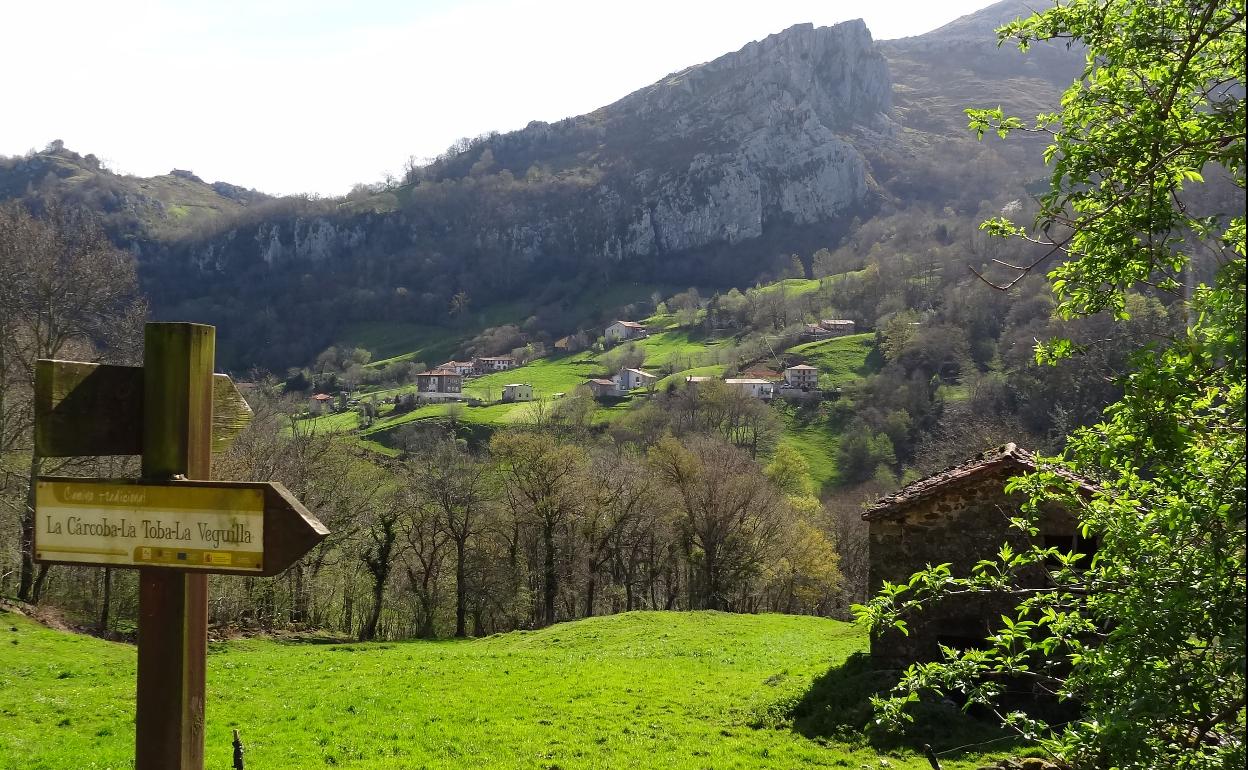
520 391
487 364
752 386
464 368
624 330
628 379
802 376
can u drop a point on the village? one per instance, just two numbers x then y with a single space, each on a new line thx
446 382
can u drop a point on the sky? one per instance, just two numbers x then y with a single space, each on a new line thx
314 96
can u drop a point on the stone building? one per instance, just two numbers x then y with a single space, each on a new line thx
958 516
439 384
517 391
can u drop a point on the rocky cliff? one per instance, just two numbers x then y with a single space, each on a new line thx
710 155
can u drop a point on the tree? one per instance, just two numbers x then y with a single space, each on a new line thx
618 495
381 548
66 292
1147 637
543 482
726 512
455 485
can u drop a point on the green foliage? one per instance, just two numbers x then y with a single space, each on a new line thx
1146 638
861 453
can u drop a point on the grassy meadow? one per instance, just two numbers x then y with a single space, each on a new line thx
638 690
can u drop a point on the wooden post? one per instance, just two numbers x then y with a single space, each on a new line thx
173 606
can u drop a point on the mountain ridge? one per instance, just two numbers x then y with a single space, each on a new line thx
713 175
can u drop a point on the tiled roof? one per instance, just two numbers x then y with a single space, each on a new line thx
631 324
1007 455
802 367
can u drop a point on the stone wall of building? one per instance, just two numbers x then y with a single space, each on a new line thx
960 525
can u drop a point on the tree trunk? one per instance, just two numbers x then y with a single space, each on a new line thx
461 590
589 595
551 576
369 631
26 589
41 577
107 600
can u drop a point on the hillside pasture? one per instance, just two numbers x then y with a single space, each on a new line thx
643 689
840 360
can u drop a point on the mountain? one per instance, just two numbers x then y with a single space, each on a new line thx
133 207
712 176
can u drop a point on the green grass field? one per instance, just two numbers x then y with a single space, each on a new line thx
547 376
840 360
816 442
676 348
644 690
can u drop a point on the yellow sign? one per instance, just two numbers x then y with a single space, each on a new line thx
136 525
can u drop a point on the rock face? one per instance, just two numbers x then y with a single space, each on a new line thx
710 155
765 127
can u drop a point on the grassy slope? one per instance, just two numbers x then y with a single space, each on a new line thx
840 360
662 690
392 342
547 376
816 442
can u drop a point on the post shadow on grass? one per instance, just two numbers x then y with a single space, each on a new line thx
838 706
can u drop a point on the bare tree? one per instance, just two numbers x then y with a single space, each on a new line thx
67 292
456 486
618 494
542 482
727 513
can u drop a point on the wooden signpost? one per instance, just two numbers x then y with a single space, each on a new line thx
173 524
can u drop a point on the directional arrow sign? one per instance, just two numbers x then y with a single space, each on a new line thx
97 409
228 527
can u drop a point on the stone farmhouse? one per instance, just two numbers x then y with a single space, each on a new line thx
603 388
519 391
815 332
439 385
837 327
957 516
320 403
624 330
487 364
